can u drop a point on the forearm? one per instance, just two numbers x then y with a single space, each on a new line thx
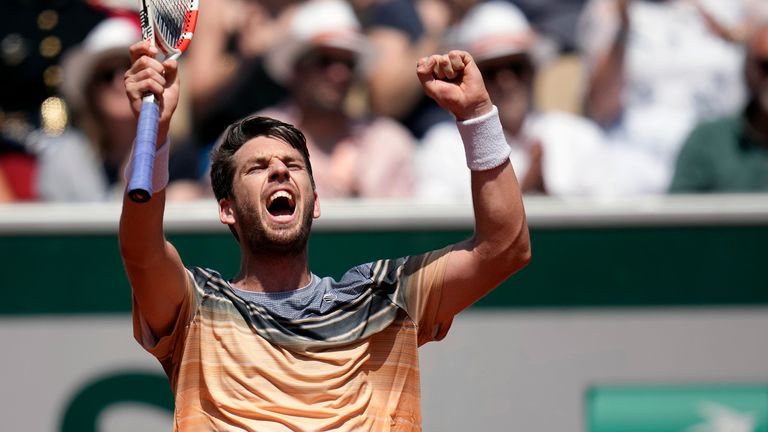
501 233
211 69
606 84
393 93
141 230
141 224
154 268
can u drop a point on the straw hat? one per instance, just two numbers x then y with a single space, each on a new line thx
109 38
492 30
318 23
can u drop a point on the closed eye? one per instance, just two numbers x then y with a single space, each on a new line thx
255 168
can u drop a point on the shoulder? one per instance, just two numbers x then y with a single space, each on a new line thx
383 134
383 271
384 126
554 125
207 280
441 136
283 112
444 130
717 132
564 120
72 143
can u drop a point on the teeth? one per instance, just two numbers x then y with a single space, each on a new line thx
281 194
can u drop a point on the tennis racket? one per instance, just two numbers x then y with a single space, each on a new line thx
168 25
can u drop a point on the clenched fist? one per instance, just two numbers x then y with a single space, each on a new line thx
454 82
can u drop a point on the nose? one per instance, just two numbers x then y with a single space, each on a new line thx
278 171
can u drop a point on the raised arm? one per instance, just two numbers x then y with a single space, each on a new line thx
500 245
155 271
603 101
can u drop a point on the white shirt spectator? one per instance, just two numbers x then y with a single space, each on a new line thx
571 157
677 72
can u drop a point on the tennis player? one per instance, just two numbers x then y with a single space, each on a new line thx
276 347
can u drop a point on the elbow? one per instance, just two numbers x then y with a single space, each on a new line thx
510 257
518 257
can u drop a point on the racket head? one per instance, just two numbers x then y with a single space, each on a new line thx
170 24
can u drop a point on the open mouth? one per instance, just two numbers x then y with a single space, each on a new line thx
281 203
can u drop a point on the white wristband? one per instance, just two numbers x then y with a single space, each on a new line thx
484 143
159 167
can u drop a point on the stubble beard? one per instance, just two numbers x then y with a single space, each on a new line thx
288 241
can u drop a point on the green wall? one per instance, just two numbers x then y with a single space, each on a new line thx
571 267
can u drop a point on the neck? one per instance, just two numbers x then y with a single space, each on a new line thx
272 272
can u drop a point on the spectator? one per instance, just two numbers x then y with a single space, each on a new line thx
558 19
656 68
402 31
34 34
85 161
552 152
731 154
225 64
323 55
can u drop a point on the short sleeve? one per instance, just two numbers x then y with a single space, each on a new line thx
166 348
421 285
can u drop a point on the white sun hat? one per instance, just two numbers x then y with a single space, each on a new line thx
492 30
111 37
318 23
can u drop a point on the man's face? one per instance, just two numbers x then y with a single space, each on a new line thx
273 202
325 76
509 81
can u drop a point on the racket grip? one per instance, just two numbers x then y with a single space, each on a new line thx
140 183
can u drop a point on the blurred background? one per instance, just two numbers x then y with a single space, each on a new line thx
639 134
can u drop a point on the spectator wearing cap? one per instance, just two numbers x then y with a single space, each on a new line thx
85 161
322 57
553 152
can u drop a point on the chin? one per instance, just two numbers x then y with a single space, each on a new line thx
270 238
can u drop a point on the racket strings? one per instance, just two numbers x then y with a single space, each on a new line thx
170 19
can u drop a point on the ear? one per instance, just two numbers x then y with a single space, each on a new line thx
316 209
226 211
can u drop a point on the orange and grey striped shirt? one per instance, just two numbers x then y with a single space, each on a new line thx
331 356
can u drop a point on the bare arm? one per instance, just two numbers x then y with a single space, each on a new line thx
6 194
156 273
606 82
392 92
500 245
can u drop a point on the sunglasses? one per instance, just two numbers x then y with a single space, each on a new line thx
519 68
108 75
325 60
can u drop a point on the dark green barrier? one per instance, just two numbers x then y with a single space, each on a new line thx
571 267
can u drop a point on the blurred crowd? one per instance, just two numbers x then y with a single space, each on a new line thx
597 98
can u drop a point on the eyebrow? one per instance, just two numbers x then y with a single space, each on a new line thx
261 158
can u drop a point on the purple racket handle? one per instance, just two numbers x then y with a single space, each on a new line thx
140 183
